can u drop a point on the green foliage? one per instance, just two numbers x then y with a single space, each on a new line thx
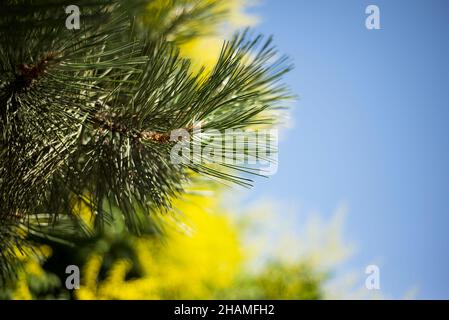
278 280
85 115
45 286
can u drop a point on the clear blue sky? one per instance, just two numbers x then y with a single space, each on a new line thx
371 129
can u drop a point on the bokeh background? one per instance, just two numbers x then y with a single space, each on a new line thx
370 132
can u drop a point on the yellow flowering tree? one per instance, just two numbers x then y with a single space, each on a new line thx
195 258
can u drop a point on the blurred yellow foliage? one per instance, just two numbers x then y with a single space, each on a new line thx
188 264
31 259
203 51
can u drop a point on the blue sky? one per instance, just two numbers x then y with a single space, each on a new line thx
371 130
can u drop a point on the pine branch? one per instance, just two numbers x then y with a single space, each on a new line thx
87 115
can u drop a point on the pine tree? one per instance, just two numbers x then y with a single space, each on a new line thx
86 115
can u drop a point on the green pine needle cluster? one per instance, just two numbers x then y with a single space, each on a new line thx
86 115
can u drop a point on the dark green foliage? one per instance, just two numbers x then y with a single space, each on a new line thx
86 115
